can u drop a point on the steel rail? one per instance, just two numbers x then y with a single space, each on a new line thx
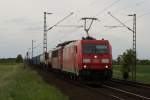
123 91
131 83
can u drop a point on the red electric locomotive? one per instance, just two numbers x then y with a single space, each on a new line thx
85 59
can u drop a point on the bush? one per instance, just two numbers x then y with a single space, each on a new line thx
19 59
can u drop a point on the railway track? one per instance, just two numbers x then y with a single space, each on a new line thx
130 95
138 90
132 83
115 92
112 90
121 90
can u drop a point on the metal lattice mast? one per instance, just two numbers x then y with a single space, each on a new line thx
46 30
32 49
134 45
134 41
45 33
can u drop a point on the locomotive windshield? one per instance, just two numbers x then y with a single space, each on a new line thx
95 49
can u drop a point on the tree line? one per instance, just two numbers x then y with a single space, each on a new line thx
118 61
18 59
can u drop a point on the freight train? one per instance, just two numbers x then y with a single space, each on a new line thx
86 59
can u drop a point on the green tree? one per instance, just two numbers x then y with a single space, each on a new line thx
19 59
128 58
119 59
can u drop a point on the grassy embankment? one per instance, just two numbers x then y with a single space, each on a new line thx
17 83
143 73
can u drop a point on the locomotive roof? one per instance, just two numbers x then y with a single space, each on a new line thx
88 38
65 43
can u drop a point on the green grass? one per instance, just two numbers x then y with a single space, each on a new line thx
17 83
143 73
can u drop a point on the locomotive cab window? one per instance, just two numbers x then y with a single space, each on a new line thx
95 49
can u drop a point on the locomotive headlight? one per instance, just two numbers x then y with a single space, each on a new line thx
106 66
105 60
86 60
84 66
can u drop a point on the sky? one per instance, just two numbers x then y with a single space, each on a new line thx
21 21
